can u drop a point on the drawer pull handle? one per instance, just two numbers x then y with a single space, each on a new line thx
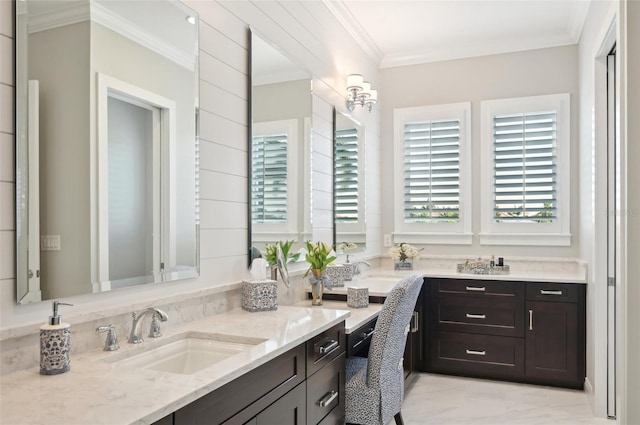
530 320
476 316
328 398
367 334
476 288
416 322
476 353
328 347
546 292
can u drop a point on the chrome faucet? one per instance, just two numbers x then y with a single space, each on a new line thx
154 332
356 266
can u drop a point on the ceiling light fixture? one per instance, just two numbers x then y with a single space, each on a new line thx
359 92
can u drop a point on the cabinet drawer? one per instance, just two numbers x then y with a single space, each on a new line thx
481 315
476 287
243 398
479 355
325 392
560 292
359 340
325 347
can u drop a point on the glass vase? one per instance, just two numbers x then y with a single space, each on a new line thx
317 288
403 265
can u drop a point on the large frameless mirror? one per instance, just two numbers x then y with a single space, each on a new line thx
279 149
106 145
348 190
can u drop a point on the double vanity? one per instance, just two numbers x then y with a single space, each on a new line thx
287 365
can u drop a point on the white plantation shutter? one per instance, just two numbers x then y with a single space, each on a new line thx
432 171
524 174
269 179
346 176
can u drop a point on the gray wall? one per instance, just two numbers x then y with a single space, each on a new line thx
529 73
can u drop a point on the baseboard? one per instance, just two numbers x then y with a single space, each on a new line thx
588 388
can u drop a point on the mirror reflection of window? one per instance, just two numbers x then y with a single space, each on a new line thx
346 175
349 183
269 179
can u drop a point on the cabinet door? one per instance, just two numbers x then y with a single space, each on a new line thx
552 342
414 350
288 410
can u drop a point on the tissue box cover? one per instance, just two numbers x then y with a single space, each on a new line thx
259 295
357 297
335 273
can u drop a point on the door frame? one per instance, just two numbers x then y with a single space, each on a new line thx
165 249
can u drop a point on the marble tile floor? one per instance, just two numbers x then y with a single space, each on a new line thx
440 399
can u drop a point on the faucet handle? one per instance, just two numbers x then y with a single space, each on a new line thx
111 342
154 331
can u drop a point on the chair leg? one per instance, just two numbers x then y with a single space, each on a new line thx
398 418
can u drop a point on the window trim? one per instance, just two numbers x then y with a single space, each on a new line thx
434 233
526 234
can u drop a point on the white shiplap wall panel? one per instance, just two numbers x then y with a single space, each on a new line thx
218 186
6 66
223 159
8 258
7 209
220 102
218 17
223 76
223 270
223 214
225 49
7 161
7 164
295 29
6 18
222 131
217 243
6 109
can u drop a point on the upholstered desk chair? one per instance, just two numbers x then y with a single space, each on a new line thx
375 386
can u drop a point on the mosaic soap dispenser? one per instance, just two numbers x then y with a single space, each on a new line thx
55 344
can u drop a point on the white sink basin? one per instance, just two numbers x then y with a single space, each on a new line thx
188 353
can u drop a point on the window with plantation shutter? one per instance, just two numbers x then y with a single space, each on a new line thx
524 167
269 179
346 175
525 147
432 174
274 180
432 171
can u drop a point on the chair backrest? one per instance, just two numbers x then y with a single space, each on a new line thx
385 374
389 339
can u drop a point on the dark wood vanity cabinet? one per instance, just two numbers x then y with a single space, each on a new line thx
302 386
522 331
555 334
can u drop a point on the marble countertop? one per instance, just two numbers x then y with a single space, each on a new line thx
358 317
98 392
381 280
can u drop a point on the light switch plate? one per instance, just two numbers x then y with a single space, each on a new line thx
387 240
50 243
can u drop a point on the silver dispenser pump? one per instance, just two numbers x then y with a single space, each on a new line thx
55 319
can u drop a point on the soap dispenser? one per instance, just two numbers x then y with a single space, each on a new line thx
55 344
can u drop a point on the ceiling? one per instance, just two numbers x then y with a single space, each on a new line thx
405 32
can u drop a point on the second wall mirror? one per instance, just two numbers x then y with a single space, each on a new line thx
279 149
349 184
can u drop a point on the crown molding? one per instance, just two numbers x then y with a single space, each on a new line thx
577 18
60 16
448 52
130 30
355 30
68 14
